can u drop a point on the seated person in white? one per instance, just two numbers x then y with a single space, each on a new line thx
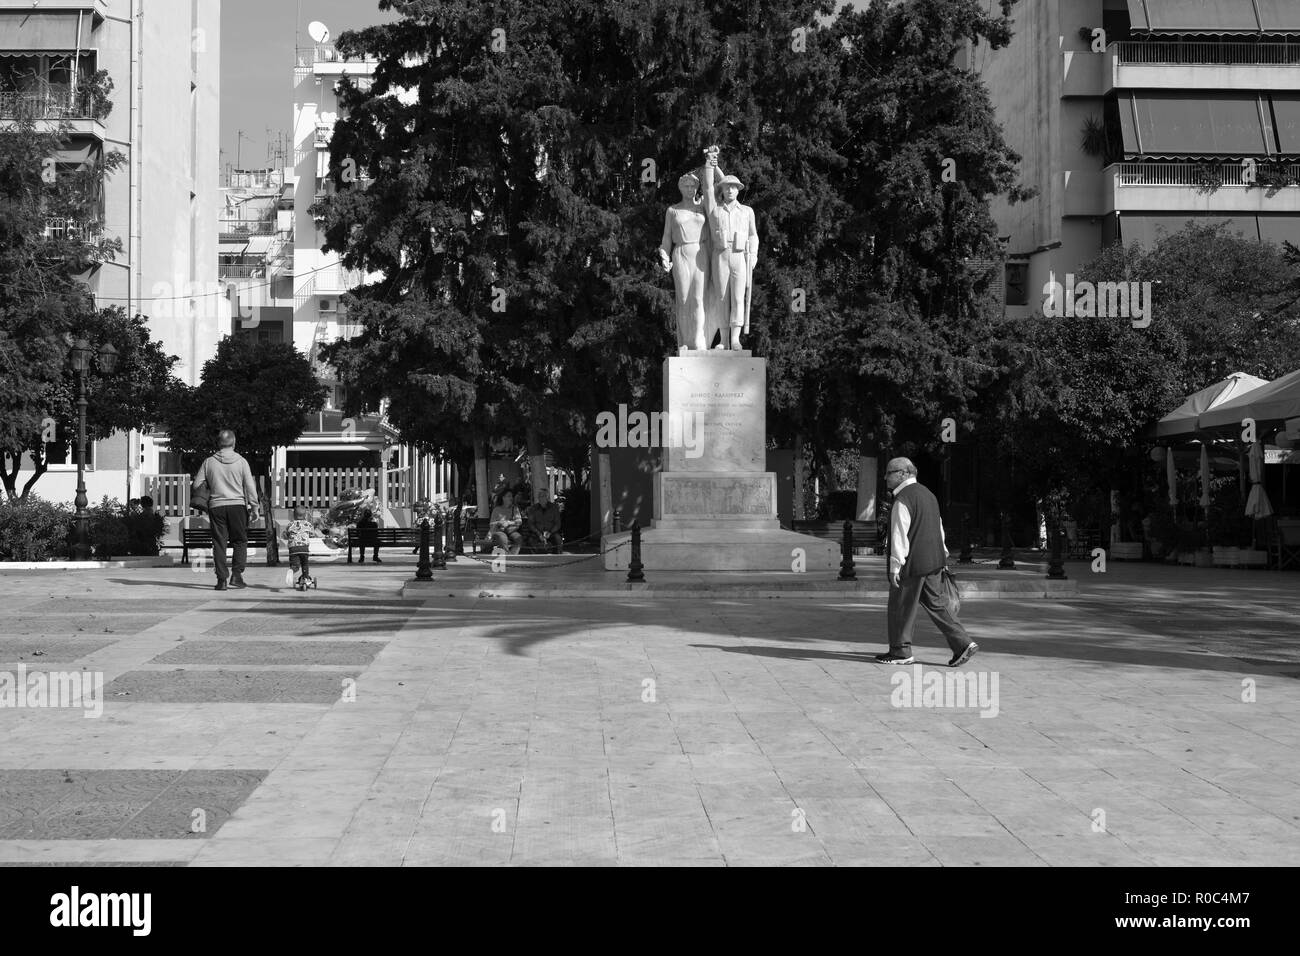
505 525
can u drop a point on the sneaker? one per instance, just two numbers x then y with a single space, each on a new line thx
237 581
221 585
892 658
964 656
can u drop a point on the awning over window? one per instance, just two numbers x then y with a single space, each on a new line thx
1181 125
1280 229
1147 230
232 248
35 32
1286 117
1214 16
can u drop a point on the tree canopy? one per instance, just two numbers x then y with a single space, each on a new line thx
49 241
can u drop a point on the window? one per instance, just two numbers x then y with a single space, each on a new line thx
264 332
61 454
1017 283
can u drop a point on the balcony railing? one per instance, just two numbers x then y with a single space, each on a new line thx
1207 53
323 134
241 270
61 227
46 104
1204 175
308 56
235 229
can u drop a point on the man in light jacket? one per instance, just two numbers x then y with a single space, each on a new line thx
917 555
232 505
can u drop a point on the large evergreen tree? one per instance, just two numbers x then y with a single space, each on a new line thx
521 155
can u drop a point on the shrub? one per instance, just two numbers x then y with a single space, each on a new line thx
145 533
839 506
108 532
33 530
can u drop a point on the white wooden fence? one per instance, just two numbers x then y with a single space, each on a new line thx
314 487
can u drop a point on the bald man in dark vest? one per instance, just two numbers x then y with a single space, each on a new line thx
916 556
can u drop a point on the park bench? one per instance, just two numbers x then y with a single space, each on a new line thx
865 533
202 538
375 538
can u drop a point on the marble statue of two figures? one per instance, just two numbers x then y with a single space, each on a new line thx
710 245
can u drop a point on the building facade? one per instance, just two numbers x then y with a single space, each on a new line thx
164 59
1135 116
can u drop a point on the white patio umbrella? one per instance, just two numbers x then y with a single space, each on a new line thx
1171 476
1258 505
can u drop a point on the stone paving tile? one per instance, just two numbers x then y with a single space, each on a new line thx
73 624
223 686
44 650
271 652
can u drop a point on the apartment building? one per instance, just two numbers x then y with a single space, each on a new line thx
1135 116
164 59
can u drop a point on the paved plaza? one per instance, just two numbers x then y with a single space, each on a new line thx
1150 718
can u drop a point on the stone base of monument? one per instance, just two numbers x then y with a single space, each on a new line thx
720 521
700 545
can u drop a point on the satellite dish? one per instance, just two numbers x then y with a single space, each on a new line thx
318 31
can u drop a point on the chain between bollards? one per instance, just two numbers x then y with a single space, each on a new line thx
424 572
847 572
635 574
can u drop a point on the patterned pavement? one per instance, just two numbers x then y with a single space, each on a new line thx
1151 719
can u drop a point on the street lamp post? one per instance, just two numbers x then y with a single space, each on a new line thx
81 355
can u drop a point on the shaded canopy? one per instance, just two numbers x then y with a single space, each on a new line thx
1269 405
1182 421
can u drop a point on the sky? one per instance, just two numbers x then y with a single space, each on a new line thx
257 51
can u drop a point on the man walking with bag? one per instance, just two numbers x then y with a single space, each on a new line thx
232 505
916 556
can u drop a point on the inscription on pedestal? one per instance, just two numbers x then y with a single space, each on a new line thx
728 398
718 495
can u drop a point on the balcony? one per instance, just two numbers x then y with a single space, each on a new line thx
60 227
1211 65
241 270
326 59
1202 188
233 230
323 134
51 104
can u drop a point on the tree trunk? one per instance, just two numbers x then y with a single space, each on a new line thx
536 461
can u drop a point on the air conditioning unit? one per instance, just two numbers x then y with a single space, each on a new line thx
329 307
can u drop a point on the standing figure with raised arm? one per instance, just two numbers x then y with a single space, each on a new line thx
733 237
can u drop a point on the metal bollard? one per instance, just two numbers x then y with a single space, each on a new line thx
847 572
618 522
1008 562
439 532
1056 566
424 572
457 536
966 557
635 574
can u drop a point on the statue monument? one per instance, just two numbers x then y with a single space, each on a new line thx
716 510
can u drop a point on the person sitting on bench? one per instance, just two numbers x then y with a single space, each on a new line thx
506 522
544 523
365 522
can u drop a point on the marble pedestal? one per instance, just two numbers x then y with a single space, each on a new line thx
714 502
